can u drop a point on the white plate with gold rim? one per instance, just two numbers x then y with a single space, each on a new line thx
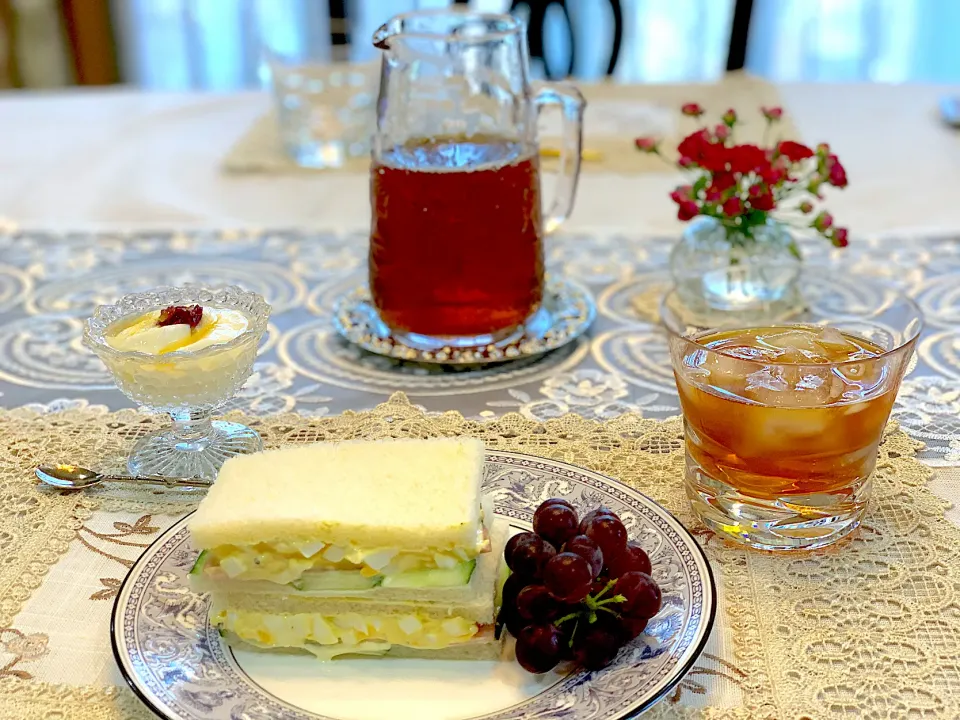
178 664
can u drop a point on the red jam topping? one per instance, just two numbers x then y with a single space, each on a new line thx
181 315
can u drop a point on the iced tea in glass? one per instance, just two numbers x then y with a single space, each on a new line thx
783 422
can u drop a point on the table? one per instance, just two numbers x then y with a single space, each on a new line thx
125 159
109 191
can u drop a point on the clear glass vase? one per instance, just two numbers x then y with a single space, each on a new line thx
716 268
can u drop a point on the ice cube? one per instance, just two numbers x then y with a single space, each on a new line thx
766 379
862 377
798 339
752 352
855 371
807 387
693 363
797 346
717 369
810 382
778 428
834 342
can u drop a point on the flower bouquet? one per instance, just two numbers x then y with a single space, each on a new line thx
743 199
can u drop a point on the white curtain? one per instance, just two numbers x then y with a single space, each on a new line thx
212 44
856 40
215 44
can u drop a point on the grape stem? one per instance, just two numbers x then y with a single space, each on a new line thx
603 592
574 633
593 603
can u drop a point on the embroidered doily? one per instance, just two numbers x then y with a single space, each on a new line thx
870 629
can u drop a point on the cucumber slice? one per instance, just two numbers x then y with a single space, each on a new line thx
201 561
438 577
335 580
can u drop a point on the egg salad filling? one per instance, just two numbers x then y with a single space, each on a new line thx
304 565
330 635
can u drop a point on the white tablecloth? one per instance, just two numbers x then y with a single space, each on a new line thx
132 159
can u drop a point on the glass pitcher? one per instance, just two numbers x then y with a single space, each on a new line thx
456 245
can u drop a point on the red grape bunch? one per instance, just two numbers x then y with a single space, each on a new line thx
578 591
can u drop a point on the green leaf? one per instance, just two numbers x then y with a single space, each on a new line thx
700 185
794 249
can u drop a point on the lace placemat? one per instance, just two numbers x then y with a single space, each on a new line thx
616 114
871 628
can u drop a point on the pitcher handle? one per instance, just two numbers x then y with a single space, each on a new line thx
572 105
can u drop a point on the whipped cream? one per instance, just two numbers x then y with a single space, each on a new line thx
217 326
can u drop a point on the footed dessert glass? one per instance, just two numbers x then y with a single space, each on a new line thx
187 384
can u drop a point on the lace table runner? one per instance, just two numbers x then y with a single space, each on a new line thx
869 629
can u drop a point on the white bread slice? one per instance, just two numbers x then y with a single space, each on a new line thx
474 601
407 494
482 646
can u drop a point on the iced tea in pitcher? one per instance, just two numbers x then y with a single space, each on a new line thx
783 425
456 247
456 241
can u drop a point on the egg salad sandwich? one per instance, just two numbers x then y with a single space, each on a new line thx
357 547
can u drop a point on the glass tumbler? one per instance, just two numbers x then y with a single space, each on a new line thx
324 110
783 422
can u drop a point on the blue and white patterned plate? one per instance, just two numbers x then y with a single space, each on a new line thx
180 667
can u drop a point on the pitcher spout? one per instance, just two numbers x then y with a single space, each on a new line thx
382 36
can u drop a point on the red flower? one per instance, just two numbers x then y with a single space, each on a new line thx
682 194
691 146
761 198
698 149
822 221
794 151
837 174
646 144
773 175
715 158
733 207
743 185
723 181
747 158
687 210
